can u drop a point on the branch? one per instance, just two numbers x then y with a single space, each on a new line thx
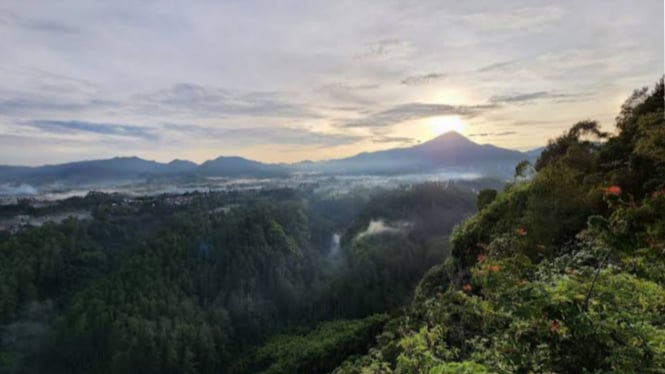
587 299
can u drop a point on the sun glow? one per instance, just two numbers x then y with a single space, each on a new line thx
444 124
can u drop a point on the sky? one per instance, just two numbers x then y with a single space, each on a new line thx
284 81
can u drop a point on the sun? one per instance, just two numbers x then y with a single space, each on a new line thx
443 124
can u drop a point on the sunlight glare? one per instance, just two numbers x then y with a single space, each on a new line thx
443 124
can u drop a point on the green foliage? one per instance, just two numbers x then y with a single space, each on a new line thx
320 350
465 367
166 295
522 170
378 272
150 286
561 273
633 159
485 198
571 147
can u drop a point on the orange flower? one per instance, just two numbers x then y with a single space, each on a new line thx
481 257
652 243
520 231
554 326
613 190
466 287
494 268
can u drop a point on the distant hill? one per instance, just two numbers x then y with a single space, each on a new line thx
181 166
116 169
131 169
240 167
450 151
533 154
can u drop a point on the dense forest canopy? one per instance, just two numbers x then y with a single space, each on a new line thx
192 283
560 271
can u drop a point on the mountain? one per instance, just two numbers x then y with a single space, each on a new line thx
240 167
450 151
182 166
132 169
447 151
533 154
115 169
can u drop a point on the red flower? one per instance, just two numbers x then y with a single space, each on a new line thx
466 288
481 257
652 243
554 326
613 190
494 268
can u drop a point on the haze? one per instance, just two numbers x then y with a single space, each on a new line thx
287 81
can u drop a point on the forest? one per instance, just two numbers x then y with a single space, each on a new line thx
195 283
562 270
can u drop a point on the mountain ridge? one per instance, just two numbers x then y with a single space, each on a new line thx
448 150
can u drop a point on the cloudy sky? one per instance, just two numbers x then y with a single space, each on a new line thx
282 81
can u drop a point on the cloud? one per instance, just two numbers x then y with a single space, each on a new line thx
61 81
513 18
50 26
393 139
226 65
484 134
340 92
351 87
380 226
414 111
192 133
262 135
534 96
56 93
541 123
71 140
26 105
131 131
290 136
387 48
9 19
423 78
495 66
221 102
376 227
33 93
